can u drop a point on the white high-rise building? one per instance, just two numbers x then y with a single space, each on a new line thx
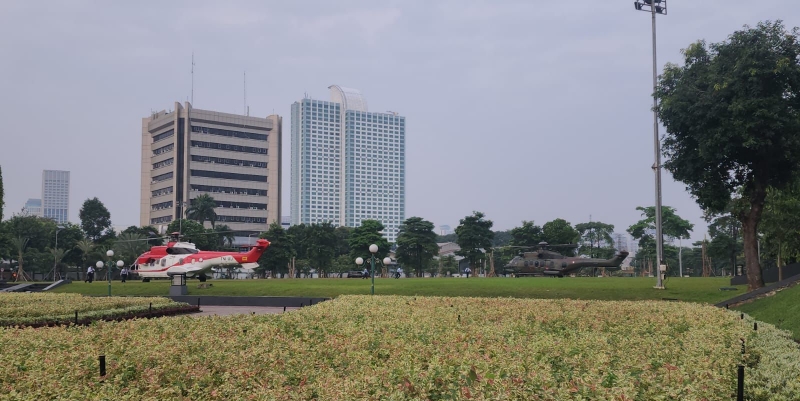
348 164
55 195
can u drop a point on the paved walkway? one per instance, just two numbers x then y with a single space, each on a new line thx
211 310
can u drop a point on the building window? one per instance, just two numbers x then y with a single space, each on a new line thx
162 177
163 191
229 133
228 176
230 162
163 149
232 148
229 190
163 136
162 205
164 163
159 220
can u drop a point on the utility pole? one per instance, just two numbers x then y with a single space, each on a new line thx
656 7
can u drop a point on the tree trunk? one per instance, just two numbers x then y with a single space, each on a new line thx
750 220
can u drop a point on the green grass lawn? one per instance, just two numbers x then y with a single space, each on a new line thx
781 310
601 288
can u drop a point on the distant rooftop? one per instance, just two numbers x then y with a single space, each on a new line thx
351 99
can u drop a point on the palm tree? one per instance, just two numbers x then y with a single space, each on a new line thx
225 234
202 209
131 245
58 255
85 247
19 244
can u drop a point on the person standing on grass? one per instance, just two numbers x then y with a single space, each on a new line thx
124 274
467 271
89 275
398 272
365 273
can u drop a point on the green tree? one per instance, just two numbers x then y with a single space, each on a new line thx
320 243
501 238
202 209
528 234
58 255
726 241
279 253
368 233
129 246
343 240
416 244
560 231
474 237
149 232
40 231
731 117
594 234
19 244
95 219
193 232
780 225
85 247
644 230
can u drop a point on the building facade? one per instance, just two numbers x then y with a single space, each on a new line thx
55 195
348 164
235 159
33 207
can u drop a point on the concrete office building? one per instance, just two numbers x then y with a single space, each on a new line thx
235 159
33 207
348 164
55 195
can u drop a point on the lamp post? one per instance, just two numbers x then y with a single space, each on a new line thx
373 249
99 265
656 7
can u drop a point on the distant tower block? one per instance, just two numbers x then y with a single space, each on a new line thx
444 230
621 242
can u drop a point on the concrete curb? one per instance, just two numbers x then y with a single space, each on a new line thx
217 300
759 293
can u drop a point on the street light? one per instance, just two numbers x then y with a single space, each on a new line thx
55 259
656 7
100 264
373 249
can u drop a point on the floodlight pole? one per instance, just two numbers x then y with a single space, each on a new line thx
656 142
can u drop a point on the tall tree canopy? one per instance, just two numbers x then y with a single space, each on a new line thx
528 234
594 234
474 233
202 209
780 224
560 231
95 219
369 232
416 244
672 225
732 127
320 243
277 256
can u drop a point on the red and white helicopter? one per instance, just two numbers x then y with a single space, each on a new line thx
184 258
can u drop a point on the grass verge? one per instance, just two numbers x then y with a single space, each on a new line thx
781 310
706 290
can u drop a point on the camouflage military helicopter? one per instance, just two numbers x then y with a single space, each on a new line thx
545 262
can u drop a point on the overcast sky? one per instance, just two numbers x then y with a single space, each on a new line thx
524 110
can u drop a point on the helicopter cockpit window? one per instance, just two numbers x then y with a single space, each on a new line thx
563 264
526 263
536 264
163 262
183 251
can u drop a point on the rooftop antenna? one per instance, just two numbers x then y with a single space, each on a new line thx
245 92
193 77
